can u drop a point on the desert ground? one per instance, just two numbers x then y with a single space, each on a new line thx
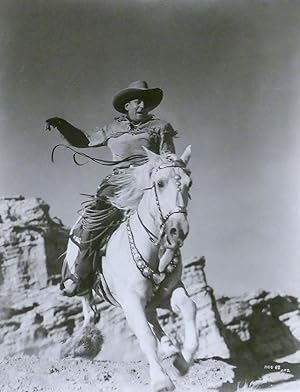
34 374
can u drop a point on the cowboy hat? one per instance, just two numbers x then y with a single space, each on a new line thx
139 89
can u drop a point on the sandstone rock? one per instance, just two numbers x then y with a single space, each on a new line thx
261 325
30 244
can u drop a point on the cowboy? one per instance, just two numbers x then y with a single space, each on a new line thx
125 137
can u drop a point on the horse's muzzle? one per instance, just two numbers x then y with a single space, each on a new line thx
177 228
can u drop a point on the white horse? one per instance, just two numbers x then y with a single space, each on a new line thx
142 268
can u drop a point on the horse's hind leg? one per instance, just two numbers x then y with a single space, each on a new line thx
134 310
181 302
91 314
86 341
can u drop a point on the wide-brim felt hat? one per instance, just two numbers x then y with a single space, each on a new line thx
151 96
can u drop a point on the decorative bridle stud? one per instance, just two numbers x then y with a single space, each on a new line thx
178 182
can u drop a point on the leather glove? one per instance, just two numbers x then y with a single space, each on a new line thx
73 135
54 122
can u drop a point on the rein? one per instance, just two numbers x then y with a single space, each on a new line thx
96 160
152 237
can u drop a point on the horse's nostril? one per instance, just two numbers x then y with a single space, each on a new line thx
173 231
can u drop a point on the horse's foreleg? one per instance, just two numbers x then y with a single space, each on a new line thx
134 310
166 344
181 302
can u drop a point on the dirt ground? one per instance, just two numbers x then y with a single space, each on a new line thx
34 374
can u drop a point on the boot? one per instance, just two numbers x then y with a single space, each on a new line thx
83 277
86 263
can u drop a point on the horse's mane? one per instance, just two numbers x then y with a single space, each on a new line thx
131 185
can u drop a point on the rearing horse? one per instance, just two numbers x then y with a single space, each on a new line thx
142 267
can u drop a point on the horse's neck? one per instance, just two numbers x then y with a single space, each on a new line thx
142 240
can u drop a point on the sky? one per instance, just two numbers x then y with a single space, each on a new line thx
230 75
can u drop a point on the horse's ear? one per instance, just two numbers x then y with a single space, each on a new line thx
150 154
185 157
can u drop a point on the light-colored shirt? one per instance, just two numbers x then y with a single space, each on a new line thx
125 138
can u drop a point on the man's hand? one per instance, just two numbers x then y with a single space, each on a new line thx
54 122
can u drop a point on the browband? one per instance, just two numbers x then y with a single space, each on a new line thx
178 163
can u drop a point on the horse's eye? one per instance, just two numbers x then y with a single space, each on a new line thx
190 184
160 183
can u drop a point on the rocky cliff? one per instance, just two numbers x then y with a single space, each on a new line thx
36 318
261 325
30 243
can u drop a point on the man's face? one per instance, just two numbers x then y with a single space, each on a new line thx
136 110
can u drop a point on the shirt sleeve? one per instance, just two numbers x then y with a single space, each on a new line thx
99 137
167 135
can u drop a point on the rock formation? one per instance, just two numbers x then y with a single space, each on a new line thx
30 244
36 318
261 325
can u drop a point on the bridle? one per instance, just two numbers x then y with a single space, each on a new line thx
155 275
164 218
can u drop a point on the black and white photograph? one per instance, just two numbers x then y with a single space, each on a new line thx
149 195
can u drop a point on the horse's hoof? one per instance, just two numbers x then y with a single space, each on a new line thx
181 364
164 385
168 349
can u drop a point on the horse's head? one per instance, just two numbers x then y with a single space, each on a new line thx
170 180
